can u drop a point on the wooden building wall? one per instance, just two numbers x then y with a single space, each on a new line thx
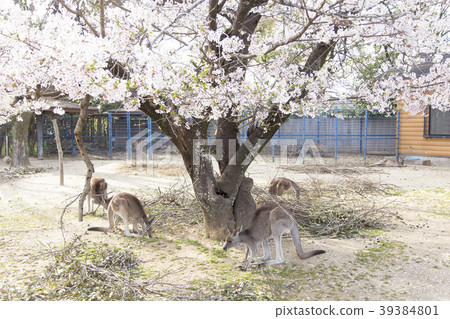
413 142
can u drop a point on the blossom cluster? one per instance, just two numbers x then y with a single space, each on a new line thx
167 51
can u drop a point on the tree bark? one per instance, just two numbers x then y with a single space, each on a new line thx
60 152
20 141
40 137
78 132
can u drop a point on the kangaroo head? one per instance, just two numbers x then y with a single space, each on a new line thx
233 238
148 227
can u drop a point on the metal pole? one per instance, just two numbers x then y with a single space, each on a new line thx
273 151
303 139
318 129
129 135
149 131
335 140
245 130
360 134
365 136
110 134
279 139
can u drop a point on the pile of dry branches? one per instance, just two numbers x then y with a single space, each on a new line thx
82 271
343 207
174 208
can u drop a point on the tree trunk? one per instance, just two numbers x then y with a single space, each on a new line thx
223 198
20 141
78 132
60 152
228 196
40 137
220 207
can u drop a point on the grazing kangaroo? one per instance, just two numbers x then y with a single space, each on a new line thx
389 163
98 193
270 220
127 206
278 186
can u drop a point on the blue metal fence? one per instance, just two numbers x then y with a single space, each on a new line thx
366 134
115 135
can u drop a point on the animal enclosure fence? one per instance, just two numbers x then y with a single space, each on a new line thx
120 135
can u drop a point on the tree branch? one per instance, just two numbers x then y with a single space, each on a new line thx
80 14
102 18
78 132
195 5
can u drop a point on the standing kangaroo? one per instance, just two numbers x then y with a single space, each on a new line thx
98 193
127 206
389 163
270 220
278 186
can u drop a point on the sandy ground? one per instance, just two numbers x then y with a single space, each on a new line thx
410 261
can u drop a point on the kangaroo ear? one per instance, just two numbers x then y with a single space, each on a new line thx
230 225
242 227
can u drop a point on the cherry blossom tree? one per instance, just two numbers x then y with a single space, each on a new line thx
187 63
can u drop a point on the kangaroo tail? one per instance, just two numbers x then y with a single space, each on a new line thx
298 244
103 229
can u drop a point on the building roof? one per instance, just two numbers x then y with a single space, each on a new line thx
69 107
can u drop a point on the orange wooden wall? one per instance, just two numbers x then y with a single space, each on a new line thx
412 140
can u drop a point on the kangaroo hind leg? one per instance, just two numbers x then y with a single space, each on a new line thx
266 251
278 251
127 230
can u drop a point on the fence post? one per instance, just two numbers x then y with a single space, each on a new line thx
303 138
273 144
110 134
318 129
149 130
273 150
129 135
279 140
245 124
335 139
365 136
360 134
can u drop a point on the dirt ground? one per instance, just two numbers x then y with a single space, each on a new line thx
410 260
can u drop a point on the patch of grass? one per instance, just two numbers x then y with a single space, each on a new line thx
194 243
28 219
384 251
370 232
219 253
244 291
